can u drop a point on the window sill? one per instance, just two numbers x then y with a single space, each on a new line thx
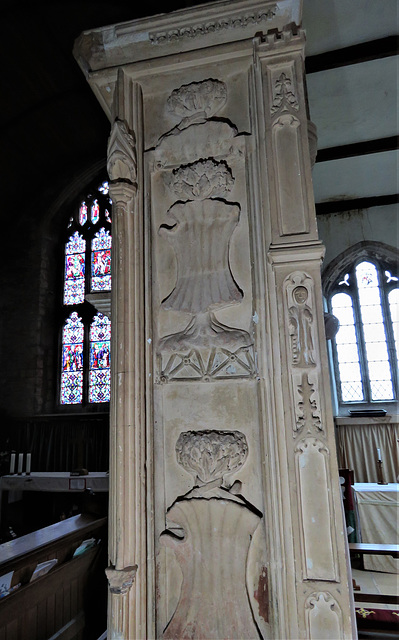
348 420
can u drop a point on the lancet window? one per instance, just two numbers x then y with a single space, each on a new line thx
86 333
365 299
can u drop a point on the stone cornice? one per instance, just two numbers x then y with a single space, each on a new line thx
165 34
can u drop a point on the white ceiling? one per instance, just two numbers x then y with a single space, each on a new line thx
353 103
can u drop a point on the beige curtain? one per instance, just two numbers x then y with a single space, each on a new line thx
357 450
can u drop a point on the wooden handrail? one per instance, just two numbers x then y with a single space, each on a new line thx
374 549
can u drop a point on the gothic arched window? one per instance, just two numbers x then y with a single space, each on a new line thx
86 332
364 296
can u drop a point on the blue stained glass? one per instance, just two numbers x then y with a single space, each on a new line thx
83 214
95 212
72 360
100 361
101 261
74 282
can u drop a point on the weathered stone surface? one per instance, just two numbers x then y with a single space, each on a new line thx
221 424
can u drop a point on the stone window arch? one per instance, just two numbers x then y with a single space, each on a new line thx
361 287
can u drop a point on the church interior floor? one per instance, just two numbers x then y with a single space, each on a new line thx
376 582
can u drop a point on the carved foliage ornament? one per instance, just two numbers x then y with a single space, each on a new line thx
213 26
210 455
122 161
202 179
284 97
205 97
308 413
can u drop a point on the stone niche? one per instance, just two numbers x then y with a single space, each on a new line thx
225 502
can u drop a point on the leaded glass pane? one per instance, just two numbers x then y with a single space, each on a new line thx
72 360
347 349
101 261
74 282
393 299
374 332
100 347
82 214
95 212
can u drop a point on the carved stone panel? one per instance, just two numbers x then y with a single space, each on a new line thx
323 617
307 405
291 201
315 515
299 311
210 532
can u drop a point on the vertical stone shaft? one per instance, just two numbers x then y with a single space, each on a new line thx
127 543
301 436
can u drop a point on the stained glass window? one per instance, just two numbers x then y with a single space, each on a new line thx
74 287
95 212
85 348
365 300
72 360
101 261
82 214
100 359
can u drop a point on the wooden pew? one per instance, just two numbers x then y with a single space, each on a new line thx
69 601
377 629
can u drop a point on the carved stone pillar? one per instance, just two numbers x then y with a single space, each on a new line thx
127 573
225 518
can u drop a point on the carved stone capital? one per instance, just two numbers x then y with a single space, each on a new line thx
121 193
120 580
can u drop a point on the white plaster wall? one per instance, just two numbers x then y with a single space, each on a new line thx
339 231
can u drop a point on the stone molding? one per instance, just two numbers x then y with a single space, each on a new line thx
214 26
120 580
